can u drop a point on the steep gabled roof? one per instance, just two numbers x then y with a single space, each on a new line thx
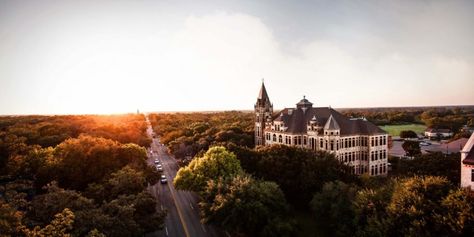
296 120
469 149
331 124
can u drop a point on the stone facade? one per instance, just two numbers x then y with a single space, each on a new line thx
356 142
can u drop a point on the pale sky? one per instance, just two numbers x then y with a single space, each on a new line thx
61 57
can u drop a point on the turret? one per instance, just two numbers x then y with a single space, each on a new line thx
263 115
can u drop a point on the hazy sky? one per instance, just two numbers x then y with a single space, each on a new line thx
117 56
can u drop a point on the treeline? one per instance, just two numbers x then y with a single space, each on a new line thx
86 185
187 134
450 118
52 130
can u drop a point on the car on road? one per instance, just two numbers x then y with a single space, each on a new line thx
163 179
425 143
157 161
160 169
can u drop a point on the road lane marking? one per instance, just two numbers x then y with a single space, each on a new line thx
166 230
179 211
191 205
162 207
203 228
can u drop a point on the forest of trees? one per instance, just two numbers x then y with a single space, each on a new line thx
76 175
337 202
87 176
258 193
187 134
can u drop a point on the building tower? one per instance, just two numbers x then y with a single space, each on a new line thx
263 114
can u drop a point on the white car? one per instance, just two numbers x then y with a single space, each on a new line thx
157 161
163 179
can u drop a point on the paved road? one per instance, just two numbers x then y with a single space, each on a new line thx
182 211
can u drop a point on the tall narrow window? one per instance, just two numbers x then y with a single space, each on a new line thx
472 175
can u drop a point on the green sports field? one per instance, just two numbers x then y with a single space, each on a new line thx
394 130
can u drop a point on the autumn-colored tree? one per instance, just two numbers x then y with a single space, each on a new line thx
60 226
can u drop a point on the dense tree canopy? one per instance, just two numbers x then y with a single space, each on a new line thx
234 200
245 205
299 172
187 134
415 206
76 175
432 164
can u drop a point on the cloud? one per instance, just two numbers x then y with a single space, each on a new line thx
216 61
227 54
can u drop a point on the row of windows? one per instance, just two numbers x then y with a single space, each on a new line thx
354 142
378 141
378 169
374 169
359 169
354 156
376 155
330 145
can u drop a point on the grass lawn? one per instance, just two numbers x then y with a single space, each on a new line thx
394 130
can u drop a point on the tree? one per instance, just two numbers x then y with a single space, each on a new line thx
216 163
246 206
370 206
433 164
459 212
56 199
416 205
10 220
299 172
126 181
408 134
412 148
60 226
333 210
80 161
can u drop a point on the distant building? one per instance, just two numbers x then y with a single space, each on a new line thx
446 147
356 142
433 133
467 164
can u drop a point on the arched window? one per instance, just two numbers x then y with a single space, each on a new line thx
280 139
274 138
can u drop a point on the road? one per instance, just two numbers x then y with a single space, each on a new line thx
182 210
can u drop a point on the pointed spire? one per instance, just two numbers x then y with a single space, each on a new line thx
263 93
331 124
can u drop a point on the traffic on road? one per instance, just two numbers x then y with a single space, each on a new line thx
181 206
